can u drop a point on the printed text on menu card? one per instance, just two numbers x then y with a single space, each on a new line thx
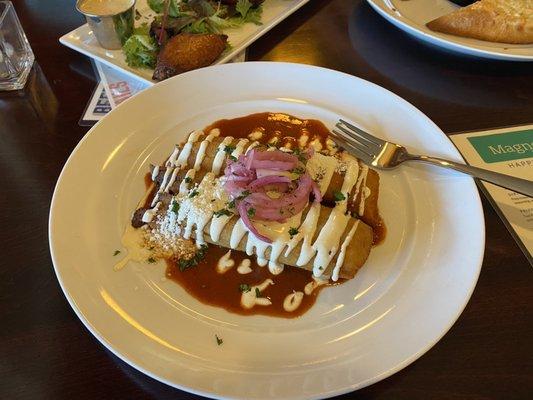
509 151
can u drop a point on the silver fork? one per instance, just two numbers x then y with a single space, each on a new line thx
381 154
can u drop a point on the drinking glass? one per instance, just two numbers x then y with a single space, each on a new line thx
16 57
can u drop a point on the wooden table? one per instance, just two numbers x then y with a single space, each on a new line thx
46 353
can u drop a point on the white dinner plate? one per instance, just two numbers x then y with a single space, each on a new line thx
83 40
411 16
409 293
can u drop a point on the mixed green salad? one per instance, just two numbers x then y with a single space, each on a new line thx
192 16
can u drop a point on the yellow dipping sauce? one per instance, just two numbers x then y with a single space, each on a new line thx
104 7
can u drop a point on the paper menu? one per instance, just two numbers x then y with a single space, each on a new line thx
97 108
118 86
508 151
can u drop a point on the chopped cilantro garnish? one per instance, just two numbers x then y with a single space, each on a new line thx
222 212
188 179
244 288
194 260
193 193
219 340
320 268
258 293
231 204
229 149
274 142
301 156
232 158
243 195
116 253
175 207
251 212
338 196
151 260
298 170
293 232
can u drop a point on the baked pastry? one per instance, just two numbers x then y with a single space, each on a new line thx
505 21
295 206
187 51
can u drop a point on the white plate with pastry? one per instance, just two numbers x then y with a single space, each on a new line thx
83 40
181 135
464 27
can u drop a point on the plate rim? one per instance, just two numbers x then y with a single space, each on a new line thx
380 7
326 394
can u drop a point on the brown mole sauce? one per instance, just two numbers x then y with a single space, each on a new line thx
379 232
222 290
283 127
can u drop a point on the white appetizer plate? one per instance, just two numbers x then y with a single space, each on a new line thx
409 293
411 16
83 40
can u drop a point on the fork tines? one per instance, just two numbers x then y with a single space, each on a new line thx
339 138
358 142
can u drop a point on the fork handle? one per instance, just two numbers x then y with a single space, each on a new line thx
522 186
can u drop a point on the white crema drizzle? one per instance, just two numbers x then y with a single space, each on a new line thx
220 155
175 162
361 183
249 299
239 148
315 283
225 263
186 152
185 184
203 147
293 301
327 242
155 172
258 247
244 267
197 211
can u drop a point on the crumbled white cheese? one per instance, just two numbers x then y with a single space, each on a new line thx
198 205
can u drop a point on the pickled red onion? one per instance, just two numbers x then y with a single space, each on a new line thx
251 192
276 159
243 212
267 180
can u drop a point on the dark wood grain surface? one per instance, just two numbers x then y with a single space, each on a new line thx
46 353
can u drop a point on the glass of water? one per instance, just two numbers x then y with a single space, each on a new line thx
16 57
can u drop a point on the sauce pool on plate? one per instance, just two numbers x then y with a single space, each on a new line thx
226 289
228 278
